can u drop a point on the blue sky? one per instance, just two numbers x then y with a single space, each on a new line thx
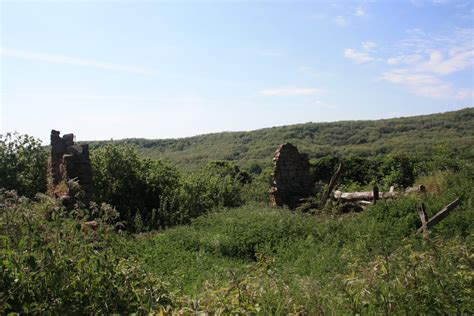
157 69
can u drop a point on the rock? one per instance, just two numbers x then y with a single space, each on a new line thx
291 177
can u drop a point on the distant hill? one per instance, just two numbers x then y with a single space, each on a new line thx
417 134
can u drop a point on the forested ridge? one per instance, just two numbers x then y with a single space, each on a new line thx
417 135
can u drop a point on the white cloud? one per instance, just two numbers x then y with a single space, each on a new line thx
425 59
340 21
358 57
404 59
369 46
458 61
360 12
289 91
426 85
60 59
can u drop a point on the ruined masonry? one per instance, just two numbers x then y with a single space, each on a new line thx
291 177
68 161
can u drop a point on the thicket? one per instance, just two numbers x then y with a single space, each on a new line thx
52 263
23 164
150 194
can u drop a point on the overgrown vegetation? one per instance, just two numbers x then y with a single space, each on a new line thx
22 164
251 259
159 239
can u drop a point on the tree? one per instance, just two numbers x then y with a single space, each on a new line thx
23 164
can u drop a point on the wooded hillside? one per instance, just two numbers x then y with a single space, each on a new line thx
418 134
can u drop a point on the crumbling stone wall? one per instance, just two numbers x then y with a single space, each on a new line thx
68 161
291 177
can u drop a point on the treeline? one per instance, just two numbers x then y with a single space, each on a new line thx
152 194
417 135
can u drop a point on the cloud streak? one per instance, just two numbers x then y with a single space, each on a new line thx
425 59
358 57
60 59
426 85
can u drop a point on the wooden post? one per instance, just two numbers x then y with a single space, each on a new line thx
331 186
438 217
375 192
424 219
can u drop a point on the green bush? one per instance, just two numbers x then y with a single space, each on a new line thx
206 190
150 194
23 164
398 169
137 188
53 263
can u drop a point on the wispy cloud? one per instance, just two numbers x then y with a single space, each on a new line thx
369 46
426 85
456 61
60 59
425 60
340 21
404 59
360 12
289 91
358 57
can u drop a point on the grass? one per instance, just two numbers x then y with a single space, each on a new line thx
247 260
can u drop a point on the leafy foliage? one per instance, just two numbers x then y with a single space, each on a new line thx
138 188
51 263
23 164
270 261
150 194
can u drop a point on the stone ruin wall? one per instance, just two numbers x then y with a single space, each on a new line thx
67 162
291 177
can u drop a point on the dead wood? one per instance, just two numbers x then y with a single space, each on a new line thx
438 217
331 186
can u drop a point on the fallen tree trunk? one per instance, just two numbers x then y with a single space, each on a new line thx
369 195
364 196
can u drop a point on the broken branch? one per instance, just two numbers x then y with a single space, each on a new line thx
438 217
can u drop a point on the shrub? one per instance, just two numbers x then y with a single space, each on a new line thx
52 263
138 188
23 164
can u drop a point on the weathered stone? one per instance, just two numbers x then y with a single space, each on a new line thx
69 162
291 177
